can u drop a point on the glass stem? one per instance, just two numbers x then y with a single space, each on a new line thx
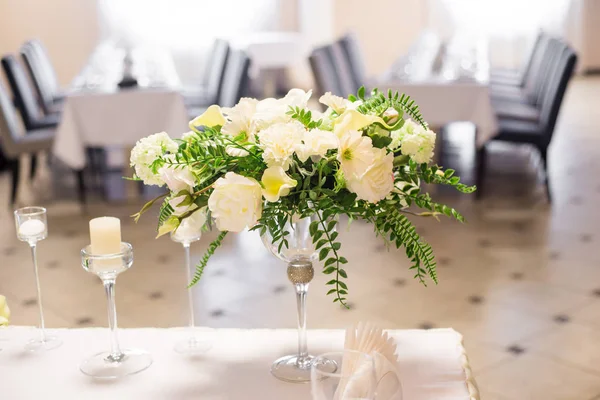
301 292
115 351
39 291
186 248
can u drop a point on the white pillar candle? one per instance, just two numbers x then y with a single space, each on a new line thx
105 235
32 227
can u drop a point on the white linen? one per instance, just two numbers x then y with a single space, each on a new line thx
442 101
118 118
432 365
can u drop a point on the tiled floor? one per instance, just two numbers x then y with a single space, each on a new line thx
521 280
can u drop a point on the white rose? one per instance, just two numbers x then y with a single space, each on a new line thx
4 311
146 152
316 142
279 141
336 103
190 227
178 177
239 118
236 202
276 183
355 153
378 179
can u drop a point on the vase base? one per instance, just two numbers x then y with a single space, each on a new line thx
295 369
102 365
40 345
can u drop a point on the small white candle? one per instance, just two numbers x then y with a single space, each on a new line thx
32 227
105 235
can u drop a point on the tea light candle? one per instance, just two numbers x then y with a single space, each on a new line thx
105 235
32 227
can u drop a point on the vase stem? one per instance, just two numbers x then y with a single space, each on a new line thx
301 292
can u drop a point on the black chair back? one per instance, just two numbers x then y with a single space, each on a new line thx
41 72
342 69
215 68
544 71
355 57
24 96
9 126
326 79
235 79
557 87
541 41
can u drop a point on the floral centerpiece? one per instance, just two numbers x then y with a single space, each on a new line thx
263 164
4 312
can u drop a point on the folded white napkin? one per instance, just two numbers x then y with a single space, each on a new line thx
370 339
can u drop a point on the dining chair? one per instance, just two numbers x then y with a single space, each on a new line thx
235 82
42 74
14 142
24 97
212 80
518 77
356 59
530 109
343 69
323 69
536 133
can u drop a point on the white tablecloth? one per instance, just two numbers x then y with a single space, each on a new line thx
442 102
433 365
118 118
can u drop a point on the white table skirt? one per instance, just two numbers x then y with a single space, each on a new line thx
442 102
118 119
433 365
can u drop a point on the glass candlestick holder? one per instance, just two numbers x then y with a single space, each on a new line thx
193 344
32 226
117 362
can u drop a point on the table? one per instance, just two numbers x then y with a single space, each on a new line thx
433 365
116 118
444 101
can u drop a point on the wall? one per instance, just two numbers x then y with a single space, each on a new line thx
68 28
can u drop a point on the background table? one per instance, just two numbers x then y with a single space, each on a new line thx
433 365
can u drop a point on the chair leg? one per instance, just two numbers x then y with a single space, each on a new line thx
481 159
544 154
34 163
15 167
80 186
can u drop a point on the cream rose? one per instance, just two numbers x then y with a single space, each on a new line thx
316 142
276 183
4 311
178 177
279 141
378 179
236 202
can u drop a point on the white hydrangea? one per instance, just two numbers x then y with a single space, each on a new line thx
414 141
148 150
279 141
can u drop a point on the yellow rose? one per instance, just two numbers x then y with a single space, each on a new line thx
4 311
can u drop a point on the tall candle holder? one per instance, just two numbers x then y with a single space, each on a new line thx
193 344
32 226
117 362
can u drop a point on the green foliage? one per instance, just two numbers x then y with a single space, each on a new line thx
165 213
304 116
207 255
378 103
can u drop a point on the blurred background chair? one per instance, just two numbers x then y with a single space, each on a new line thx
14 142
343 69
356 58
24 97
537 133
43 76
212 80
234 85
324 73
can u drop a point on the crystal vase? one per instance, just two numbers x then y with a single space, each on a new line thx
299 256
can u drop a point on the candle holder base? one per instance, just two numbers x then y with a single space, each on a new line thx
105 366
296 369
41 345
191 346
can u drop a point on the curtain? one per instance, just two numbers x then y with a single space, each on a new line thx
185 28
509 26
